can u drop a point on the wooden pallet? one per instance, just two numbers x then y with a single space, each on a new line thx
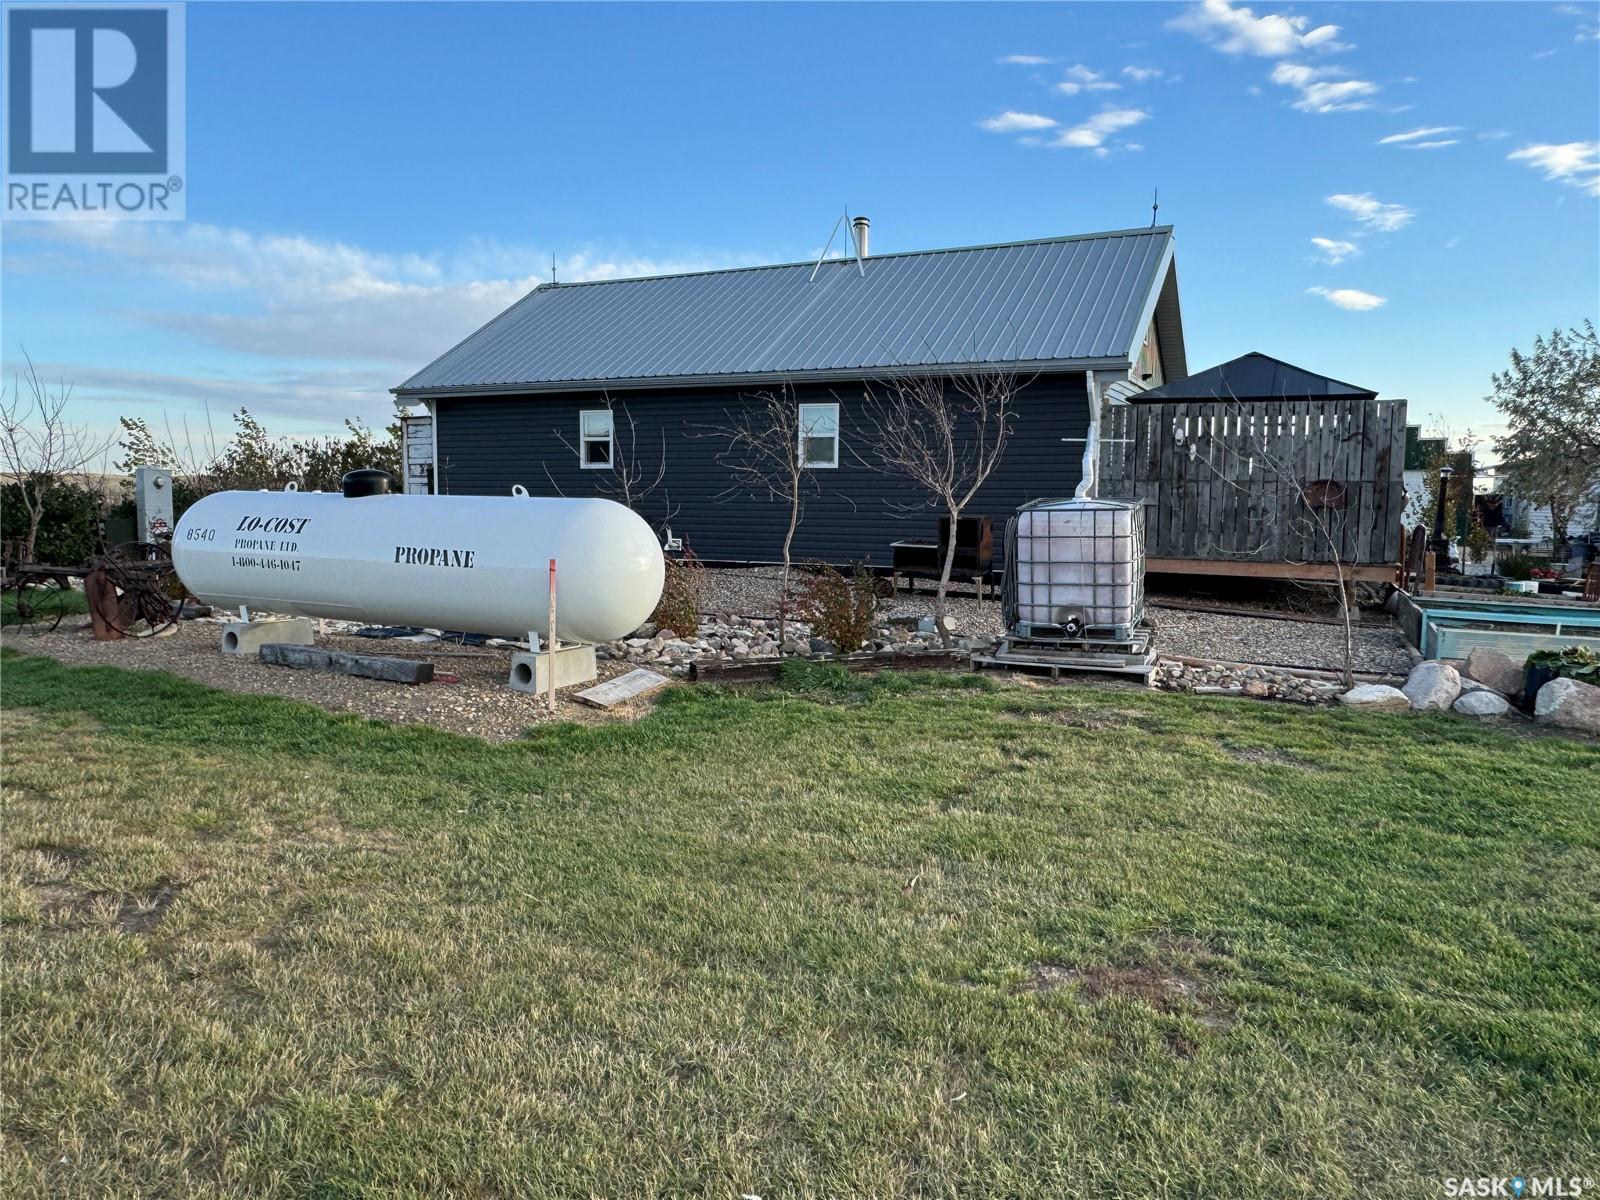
1134 656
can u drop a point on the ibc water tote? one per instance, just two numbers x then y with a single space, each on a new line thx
473 563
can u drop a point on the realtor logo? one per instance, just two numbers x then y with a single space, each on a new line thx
94 105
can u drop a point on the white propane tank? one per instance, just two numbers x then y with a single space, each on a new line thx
479 564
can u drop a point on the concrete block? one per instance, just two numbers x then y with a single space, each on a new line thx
247 637
366 666
573 665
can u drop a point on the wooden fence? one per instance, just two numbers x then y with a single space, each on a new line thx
1224 481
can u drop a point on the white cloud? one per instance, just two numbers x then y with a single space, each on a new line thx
1349 299
294 297
1081 79
1372 214
198 406
1574 163
1324 89
1585 33
1239 31
1439 145
1334 251
1412 135
1016 122
1102 125
1024 60
1143 74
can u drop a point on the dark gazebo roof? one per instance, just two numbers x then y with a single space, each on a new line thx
1252 377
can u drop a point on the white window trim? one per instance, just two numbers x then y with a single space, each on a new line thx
838 436
584 440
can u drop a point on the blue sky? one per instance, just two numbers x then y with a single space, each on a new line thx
367 183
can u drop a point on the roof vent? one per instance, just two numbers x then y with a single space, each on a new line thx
861 227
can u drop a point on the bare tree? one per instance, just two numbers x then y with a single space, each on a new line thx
632 479
1307 512
946 434
764 453
40 449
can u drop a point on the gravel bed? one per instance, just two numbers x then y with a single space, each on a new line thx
1275 638
1270 597
480 704
753 592
1275 641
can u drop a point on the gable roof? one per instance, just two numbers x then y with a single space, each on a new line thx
1255 376
1069 302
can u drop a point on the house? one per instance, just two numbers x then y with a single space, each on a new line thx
577 378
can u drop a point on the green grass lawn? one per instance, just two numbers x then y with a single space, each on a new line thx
936 937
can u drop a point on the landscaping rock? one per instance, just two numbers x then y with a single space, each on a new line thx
823 646
1485 702
1379 696
1496 669
1569 704
1432 687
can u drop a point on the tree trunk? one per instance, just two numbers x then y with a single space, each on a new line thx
1345 589
783 582
945 638
29 545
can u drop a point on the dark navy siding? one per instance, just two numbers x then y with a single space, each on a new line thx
487 444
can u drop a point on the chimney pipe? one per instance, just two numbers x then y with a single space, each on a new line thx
860 227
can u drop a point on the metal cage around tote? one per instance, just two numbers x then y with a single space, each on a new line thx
1074 570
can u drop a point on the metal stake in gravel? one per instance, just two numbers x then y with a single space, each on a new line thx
550 650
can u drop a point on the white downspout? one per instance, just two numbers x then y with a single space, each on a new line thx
1089 484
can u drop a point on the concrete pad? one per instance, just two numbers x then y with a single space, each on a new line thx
247 637
573 664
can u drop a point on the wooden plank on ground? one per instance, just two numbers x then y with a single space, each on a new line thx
623 688
365 666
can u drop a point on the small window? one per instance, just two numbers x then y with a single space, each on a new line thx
819 435
594 438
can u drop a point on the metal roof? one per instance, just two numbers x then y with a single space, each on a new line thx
1059 302
1255 376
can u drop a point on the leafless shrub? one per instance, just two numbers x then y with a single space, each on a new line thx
40 447
763 454
840 608
681 594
